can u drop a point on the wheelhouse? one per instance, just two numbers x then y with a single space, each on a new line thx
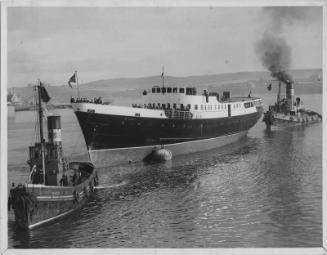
173 90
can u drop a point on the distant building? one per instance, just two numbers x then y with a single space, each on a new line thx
13 99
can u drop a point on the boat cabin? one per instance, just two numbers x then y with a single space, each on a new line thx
56 171
178 102
189 99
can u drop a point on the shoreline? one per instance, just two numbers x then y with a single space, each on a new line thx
32 107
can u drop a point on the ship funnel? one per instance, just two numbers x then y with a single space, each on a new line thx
54 129
290 94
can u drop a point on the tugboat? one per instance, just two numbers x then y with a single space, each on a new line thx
55 187
181 120
287 112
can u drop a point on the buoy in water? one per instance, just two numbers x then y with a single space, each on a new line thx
159 155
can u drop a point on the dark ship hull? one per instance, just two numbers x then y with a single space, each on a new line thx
37 204
108 131
116 139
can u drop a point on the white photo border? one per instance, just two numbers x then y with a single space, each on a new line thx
148 3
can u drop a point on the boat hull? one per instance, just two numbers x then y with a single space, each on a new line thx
110 157
273 119
106 131
114 139
36 204
46 212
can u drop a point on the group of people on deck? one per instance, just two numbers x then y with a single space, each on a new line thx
85 100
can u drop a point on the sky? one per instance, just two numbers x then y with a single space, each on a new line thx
50 43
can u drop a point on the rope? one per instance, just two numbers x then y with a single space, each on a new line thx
36 121
78 140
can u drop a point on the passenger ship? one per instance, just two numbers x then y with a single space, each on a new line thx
177 118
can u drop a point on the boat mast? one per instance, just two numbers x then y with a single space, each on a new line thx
41 130
78 93
163 76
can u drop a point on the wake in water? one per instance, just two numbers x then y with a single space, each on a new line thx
112 186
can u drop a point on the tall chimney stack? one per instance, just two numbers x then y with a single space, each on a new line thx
290 94
54 130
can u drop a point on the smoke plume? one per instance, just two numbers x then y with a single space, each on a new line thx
272 48
275 56
279 17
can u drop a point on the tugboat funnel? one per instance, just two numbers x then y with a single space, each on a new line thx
290 94
54 130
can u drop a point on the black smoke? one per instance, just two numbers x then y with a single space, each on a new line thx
281 16
275 55
272 48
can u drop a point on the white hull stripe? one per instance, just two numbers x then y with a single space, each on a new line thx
44 198
153 146
81 196
51 219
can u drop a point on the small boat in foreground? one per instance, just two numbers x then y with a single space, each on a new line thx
288 111
56 187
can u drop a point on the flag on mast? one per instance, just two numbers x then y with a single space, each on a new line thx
44 94
72 79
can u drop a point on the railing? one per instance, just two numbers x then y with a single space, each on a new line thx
86 100
178 114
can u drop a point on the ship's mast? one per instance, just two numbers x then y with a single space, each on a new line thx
163 76
41 130
78 93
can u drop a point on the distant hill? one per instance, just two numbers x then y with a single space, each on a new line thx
306 82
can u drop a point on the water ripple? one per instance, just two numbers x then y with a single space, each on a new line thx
264 191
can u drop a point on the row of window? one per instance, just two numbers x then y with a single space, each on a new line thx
196 107
167 90
248 105
186 125
188 106
168 106
189 91
211 107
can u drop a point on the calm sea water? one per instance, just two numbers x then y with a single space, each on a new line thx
263 191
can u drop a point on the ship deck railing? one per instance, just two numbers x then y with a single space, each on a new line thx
240 99
178 114
171 113
86 100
